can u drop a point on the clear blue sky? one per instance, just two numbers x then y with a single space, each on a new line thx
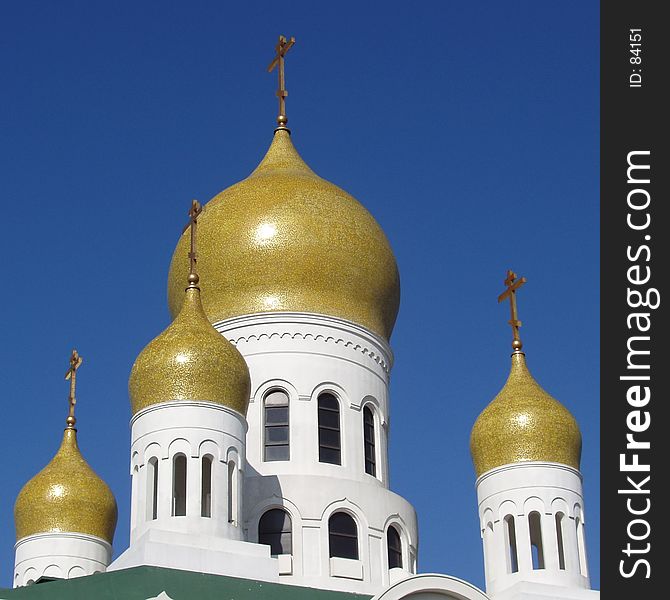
470 130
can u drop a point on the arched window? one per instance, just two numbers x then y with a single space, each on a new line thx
394 545
179 485
232 492
152 489
274 530
510 534
276 426
369 441
343 536
559 537
206 487
329 429
536 550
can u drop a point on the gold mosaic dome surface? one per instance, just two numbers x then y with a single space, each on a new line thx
190 360
524 423
66 496
284 239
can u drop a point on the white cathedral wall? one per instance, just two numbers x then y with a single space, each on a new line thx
59 555
518 490
194 430
305 355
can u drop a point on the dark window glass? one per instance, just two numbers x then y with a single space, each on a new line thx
152 488
559 537
343 536
179 486
513 561
329 429
394 547
276 426
274 530
535 528
206 489
369 441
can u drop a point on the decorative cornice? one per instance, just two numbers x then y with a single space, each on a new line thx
527 465
63 535
292 321
310 336
181 404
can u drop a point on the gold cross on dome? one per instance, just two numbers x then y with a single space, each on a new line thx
513 284
71 374
193 213
282 47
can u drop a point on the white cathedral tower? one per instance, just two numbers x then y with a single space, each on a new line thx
301 279
526 448
65 516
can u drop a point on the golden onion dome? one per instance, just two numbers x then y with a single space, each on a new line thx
524 423
190 360
66 496
284 239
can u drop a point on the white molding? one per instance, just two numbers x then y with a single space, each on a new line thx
432 584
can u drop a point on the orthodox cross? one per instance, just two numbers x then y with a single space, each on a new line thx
193 212
71 374
513 284
281 49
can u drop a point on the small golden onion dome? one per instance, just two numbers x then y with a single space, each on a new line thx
66 496
283 239
190 360
523 423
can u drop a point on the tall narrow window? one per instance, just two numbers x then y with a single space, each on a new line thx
274 530
510 532
276 426
536 550
152 489
394 548
232 492
369 441
559 538
179 486
343 536
329 429
206 487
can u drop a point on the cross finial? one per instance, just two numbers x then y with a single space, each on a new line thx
192 224
281 49
71 374
513 284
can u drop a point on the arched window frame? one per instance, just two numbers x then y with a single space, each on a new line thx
511 546
206 485
179 484
276 425
371 440
329 428
395 555
559 520
343 537
280 540
152 488
535 534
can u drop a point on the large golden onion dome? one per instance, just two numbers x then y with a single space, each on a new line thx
524 423
283 239
190 360
66 497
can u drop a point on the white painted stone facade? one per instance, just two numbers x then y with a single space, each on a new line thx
554 493
306 355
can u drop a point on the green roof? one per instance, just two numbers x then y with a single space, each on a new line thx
141 583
